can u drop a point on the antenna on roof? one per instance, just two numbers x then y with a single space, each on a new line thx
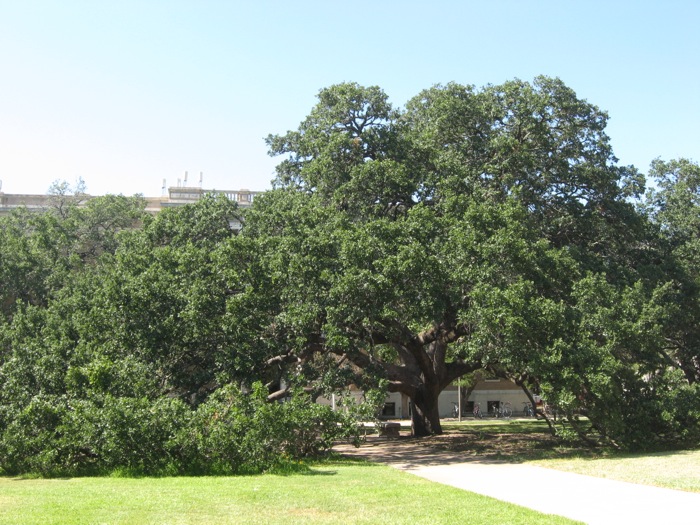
163 188
201 176
185 185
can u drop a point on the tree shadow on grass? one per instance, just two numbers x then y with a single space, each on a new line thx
487 444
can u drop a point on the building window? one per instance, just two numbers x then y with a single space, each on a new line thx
389 410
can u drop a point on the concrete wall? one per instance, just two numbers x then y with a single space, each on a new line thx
178 196
9 202
484 393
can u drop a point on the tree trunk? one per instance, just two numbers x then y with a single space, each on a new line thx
425 417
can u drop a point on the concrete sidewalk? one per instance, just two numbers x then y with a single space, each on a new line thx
584 498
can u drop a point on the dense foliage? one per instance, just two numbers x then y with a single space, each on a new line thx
128 359
487 230
472 232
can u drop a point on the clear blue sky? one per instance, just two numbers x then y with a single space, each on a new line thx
126 93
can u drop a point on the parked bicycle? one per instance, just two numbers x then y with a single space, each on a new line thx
507 410
528 410
455 410
503 410
477 411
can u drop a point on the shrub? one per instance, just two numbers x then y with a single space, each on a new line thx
235 432
230 433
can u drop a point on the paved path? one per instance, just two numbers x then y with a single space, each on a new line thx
583 498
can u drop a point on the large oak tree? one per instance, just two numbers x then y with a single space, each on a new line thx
424 243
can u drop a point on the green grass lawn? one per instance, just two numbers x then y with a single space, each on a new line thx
674 470
332 493
527 441
335 492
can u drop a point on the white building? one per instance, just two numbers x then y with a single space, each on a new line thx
488 393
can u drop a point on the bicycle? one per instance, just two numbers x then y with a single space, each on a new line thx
506 410
527 410
477 411
503 410
455 410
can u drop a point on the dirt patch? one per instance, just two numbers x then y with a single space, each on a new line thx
461 445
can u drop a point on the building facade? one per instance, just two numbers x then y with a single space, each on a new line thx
176 196
487 393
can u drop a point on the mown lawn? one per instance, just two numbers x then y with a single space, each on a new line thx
527 441
332 493
674 470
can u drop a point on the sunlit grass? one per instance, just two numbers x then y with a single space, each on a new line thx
333 493
513 425
505 440
675 470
